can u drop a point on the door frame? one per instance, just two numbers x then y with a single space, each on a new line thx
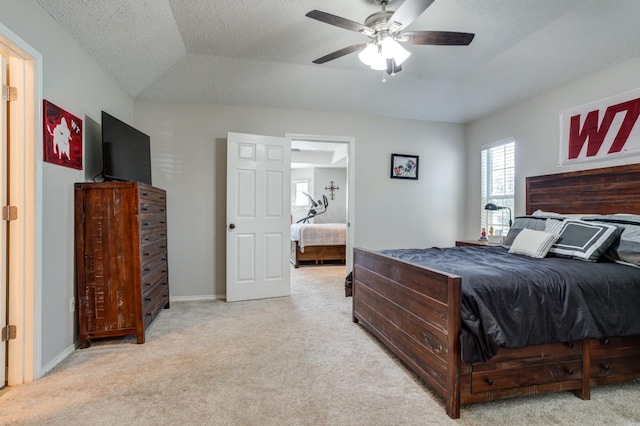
351 142
25 281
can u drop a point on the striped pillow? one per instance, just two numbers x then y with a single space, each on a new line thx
533 243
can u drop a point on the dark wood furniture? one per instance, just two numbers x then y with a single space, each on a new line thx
416 312
121 258
317 254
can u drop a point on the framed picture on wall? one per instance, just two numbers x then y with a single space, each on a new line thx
62 133
404 166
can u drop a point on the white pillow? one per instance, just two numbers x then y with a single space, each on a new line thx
541 213
533 243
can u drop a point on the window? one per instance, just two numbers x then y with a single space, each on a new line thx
300 199
498 185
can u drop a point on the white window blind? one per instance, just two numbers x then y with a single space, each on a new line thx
498 185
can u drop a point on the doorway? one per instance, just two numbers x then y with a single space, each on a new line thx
336 151
21 206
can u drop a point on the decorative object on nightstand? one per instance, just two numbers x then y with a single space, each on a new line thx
493 207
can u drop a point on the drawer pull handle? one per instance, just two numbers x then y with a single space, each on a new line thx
145 207
147 284
146 240
569 371
162 222
148 314
145 223
146 270
605 341
164 284
490 382
605 367
162 209
147 299
569 345
146 254
145 194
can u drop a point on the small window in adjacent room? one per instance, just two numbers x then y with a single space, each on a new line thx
300 199
498 185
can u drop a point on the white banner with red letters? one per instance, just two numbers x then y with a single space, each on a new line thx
605 129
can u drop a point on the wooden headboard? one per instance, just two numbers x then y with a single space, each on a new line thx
606 190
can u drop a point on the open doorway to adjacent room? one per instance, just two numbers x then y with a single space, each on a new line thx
321 200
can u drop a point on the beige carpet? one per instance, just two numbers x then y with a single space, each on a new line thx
288 361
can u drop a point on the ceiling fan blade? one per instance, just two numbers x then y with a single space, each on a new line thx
408 12
339 53
340 22
437 38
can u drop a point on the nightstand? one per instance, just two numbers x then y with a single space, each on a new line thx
475 243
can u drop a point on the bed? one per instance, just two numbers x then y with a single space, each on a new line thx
417 312
315 243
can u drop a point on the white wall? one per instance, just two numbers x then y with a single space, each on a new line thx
73 81
189 161
535 126
337 208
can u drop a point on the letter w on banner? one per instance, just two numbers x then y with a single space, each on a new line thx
602 130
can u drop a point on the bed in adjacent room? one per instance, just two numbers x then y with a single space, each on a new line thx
315 243
555 311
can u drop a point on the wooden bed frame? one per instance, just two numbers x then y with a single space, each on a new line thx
416 312
317 254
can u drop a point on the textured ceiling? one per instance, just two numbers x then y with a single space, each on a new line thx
257 52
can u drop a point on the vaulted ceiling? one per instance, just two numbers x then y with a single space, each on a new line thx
260 53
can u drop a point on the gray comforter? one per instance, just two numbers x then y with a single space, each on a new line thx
514 301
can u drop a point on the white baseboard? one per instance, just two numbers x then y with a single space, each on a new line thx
207 298
57 360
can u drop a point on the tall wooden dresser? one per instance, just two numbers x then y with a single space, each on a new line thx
121 258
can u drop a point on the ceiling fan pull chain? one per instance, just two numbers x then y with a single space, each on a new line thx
384 77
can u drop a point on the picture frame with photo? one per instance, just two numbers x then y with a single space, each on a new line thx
404 166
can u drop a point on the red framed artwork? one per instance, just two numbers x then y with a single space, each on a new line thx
62 136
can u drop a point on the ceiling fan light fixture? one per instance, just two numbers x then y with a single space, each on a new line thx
369 54
380 63
391 49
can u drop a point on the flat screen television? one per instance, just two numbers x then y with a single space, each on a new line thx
126 152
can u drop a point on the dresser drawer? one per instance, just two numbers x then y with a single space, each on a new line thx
150 235
151 221
148 194
152 208
152 249
528 376
160 290
615 356
154 301
152 269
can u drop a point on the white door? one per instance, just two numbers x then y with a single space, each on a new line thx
3 224
258 216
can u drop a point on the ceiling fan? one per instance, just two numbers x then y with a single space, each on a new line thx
385 30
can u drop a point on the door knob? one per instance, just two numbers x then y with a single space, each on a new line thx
232 226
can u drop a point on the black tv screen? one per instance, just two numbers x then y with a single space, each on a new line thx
126 151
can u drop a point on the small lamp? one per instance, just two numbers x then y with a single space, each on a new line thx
493 207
